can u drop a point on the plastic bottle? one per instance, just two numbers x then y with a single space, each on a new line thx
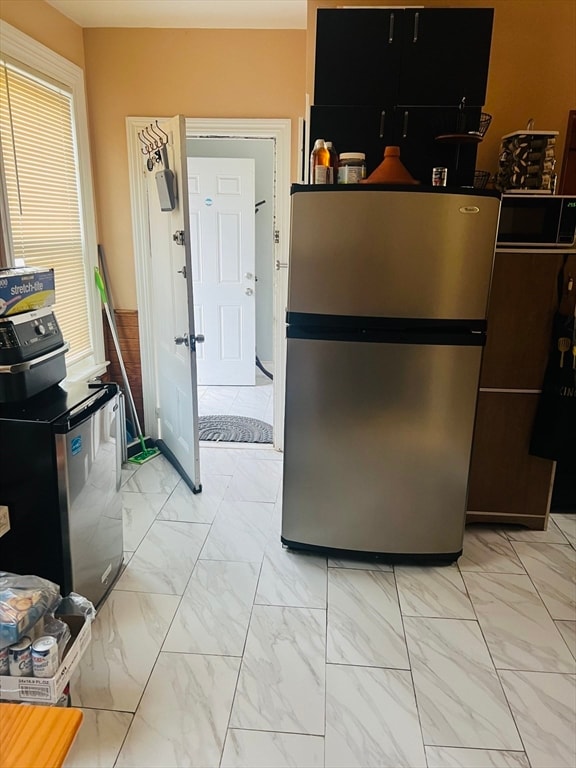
333 162
320 163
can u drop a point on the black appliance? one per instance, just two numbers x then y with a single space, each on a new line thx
537 221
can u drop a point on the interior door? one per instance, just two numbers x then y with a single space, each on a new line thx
173 308
222 238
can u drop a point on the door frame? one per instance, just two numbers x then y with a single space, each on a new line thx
200 128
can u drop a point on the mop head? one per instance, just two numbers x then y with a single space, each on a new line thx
145 454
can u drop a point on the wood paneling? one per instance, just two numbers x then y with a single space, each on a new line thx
504 478
129 338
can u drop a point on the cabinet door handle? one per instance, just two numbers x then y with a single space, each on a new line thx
391 29
405 125
382 122
416 25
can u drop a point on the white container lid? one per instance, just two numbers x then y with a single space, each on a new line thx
530 133
352 156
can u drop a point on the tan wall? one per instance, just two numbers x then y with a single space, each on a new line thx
532 64
192 72
46 25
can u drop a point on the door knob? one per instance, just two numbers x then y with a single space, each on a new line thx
249 291
199 338
181 340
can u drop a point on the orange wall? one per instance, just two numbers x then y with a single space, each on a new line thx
192 72
532 65
46 25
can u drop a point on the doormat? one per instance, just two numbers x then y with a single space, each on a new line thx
234 429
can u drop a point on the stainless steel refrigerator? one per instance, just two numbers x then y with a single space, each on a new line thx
386 323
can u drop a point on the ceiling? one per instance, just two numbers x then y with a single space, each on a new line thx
210 14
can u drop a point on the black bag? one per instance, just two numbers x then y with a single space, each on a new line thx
554 429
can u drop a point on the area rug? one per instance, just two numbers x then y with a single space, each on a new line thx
234 429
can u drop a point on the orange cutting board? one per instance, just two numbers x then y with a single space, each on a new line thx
36 736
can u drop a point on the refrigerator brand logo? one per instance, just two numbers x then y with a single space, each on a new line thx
76 445
469 209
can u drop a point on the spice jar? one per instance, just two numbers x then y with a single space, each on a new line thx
351 167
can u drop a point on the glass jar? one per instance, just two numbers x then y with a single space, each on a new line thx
351 167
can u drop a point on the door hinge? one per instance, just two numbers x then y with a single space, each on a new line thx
157 412
276 236
178 237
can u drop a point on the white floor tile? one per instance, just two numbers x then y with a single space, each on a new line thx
360 565
282 679
139 511
213 615
217 460
165 559
371 719
263 749
552 568
254 480
433 592
292 578
240 532
568 631
489 551
155 476
552 535
544 706
567 524
126 638
364 622
516 625
447 757
99 739
460 699
181 721
187 507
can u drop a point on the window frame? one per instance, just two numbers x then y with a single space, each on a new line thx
29 53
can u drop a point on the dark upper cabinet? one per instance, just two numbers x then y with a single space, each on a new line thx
389 56
357 56
413 129
445 55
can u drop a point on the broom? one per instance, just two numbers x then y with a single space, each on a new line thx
146 453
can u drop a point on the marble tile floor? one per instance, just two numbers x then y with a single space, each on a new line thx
217 648
254 401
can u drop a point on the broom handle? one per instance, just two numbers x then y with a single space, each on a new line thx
103 296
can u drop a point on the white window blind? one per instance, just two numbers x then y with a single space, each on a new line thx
40 165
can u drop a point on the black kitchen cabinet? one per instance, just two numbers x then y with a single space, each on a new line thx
391 56
445 56
414 129
357 56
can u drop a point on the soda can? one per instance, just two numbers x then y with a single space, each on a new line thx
20 658
45 656
439 176
4 666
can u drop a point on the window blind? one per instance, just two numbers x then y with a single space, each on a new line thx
41 177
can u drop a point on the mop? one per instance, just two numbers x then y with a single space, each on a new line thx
146 453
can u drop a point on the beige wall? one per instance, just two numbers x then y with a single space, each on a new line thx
532 64
46 25
192 72
266 73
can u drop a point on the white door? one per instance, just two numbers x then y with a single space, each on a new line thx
173 310
222 210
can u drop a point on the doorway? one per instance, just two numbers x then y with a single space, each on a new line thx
220 393
278 133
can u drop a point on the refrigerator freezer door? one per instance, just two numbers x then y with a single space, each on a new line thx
377 445
405 254
92 458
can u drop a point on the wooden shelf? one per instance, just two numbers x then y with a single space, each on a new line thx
460 138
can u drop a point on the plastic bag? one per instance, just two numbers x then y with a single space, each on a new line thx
23 601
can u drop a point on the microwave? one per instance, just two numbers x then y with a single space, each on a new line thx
537 221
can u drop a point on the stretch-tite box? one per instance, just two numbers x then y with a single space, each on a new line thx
23 289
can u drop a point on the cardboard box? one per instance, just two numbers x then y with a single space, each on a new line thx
23 289
48 690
